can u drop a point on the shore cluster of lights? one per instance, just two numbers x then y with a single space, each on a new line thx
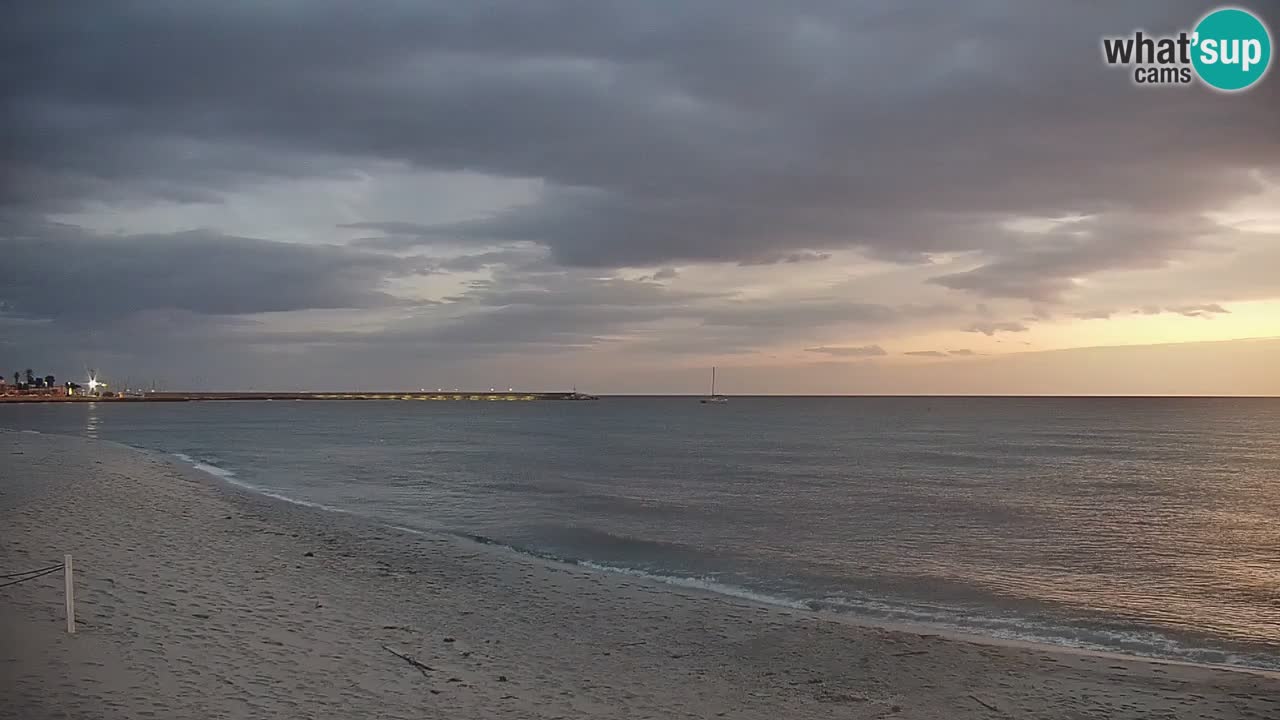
456 390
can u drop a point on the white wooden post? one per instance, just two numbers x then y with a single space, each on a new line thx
71 594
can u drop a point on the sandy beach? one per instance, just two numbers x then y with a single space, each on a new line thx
199 600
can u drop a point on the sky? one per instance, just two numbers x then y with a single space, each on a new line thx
817 197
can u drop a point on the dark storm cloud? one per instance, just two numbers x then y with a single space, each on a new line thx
520 310
1205 311
745 132
1044 266
516 307
663 131
479 261
392 228
516 311
64 273
787 258
818 311
736 325
861 351
963 352
519 327
991 328
560 290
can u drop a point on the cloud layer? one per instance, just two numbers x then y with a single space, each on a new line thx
831 178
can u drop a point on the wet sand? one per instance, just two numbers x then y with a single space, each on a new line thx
199 600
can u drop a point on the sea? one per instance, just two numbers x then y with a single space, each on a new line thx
1141 526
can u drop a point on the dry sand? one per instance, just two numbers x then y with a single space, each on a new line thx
198 600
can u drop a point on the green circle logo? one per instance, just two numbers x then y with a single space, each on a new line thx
1232 49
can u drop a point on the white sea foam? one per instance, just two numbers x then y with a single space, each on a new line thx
701 583
229 476
1138 642
402 528
212 469
946 619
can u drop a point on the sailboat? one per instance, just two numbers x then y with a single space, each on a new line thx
713 397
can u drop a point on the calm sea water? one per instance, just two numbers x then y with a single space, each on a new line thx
1143 526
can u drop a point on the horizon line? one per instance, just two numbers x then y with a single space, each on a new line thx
604 394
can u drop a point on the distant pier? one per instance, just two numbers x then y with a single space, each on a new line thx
232 396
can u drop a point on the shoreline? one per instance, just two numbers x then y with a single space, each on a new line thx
171 397
176 565
785 605
229 480
751 598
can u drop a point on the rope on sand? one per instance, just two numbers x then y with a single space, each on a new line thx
986 705
421 668
31 575
28 572
69 595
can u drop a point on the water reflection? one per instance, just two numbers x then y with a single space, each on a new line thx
91 421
